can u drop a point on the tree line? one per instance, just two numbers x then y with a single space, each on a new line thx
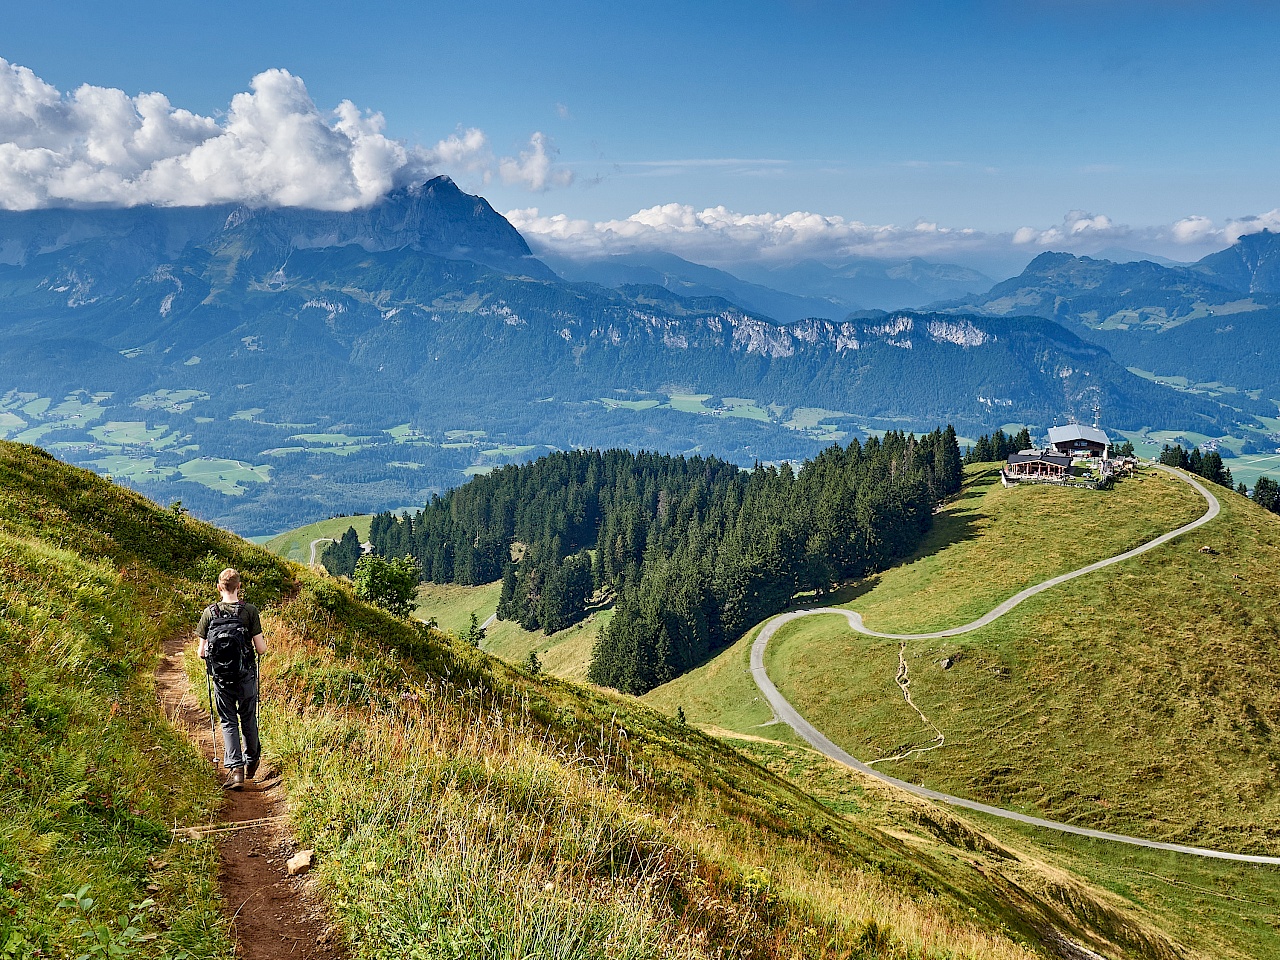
692 550
998 447
1208 465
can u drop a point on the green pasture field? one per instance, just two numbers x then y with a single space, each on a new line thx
1140 699
296 544
1248 467
510 450
173 401
75 412
133 433
689 402
1213 388
229 476
746 408
566 654
630 404
452 604
720 696
405 433
11 423
134 469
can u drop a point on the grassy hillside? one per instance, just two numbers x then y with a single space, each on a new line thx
986 544
458 807
296 544
565 654
1141 699
992 541
93 579
1225 909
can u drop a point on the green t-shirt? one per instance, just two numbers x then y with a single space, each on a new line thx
248 615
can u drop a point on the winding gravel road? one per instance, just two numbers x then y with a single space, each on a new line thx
315 543
812 735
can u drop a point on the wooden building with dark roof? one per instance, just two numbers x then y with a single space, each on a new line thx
1033 464
1077 440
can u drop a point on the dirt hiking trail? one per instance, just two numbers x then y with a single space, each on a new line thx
272 914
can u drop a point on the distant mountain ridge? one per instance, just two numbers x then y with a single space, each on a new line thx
357 359
1214 321
689 279
124 243
872 282
1250 264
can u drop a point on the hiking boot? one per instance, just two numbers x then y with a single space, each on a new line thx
236 779
251 768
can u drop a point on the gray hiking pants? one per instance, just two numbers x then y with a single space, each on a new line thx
238 710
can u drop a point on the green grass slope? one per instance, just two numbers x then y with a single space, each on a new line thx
1141 699
565 654
296 544
459 808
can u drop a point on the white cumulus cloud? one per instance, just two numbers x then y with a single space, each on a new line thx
535 168
1199 230
721 234
273 146
1076 226
718 234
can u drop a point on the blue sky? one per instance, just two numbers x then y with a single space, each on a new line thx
986 117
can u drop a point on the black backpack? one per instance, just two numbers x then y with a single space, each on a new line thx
230 653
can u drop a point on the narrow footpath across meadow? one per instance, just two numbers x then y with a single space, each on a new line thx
785 712
272 915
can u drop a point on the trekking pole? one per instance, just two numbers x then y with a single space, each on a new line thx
213 731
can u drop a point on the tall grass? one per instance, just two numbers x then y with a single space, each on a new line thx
497 820
91 778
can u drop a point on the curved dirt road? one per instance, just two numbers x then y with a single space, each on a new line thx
812 735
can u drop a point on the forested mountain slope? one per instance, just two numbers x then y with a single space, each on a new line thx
1213 322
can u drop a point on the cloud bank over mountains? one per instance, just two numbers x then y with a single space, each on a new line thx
717 235
274 146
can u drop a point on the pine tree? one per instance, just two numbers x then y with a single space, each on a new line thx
1266 494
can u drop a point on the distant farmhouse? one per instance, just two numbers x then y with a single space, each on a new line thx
1056 462
1077 440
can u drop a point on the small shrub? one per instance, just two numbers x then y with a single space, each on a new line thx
326 594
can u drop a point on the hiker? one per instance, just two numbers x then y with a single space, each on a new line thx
231 640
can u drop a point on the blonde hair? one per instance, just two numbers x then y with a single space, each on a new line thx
229 580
